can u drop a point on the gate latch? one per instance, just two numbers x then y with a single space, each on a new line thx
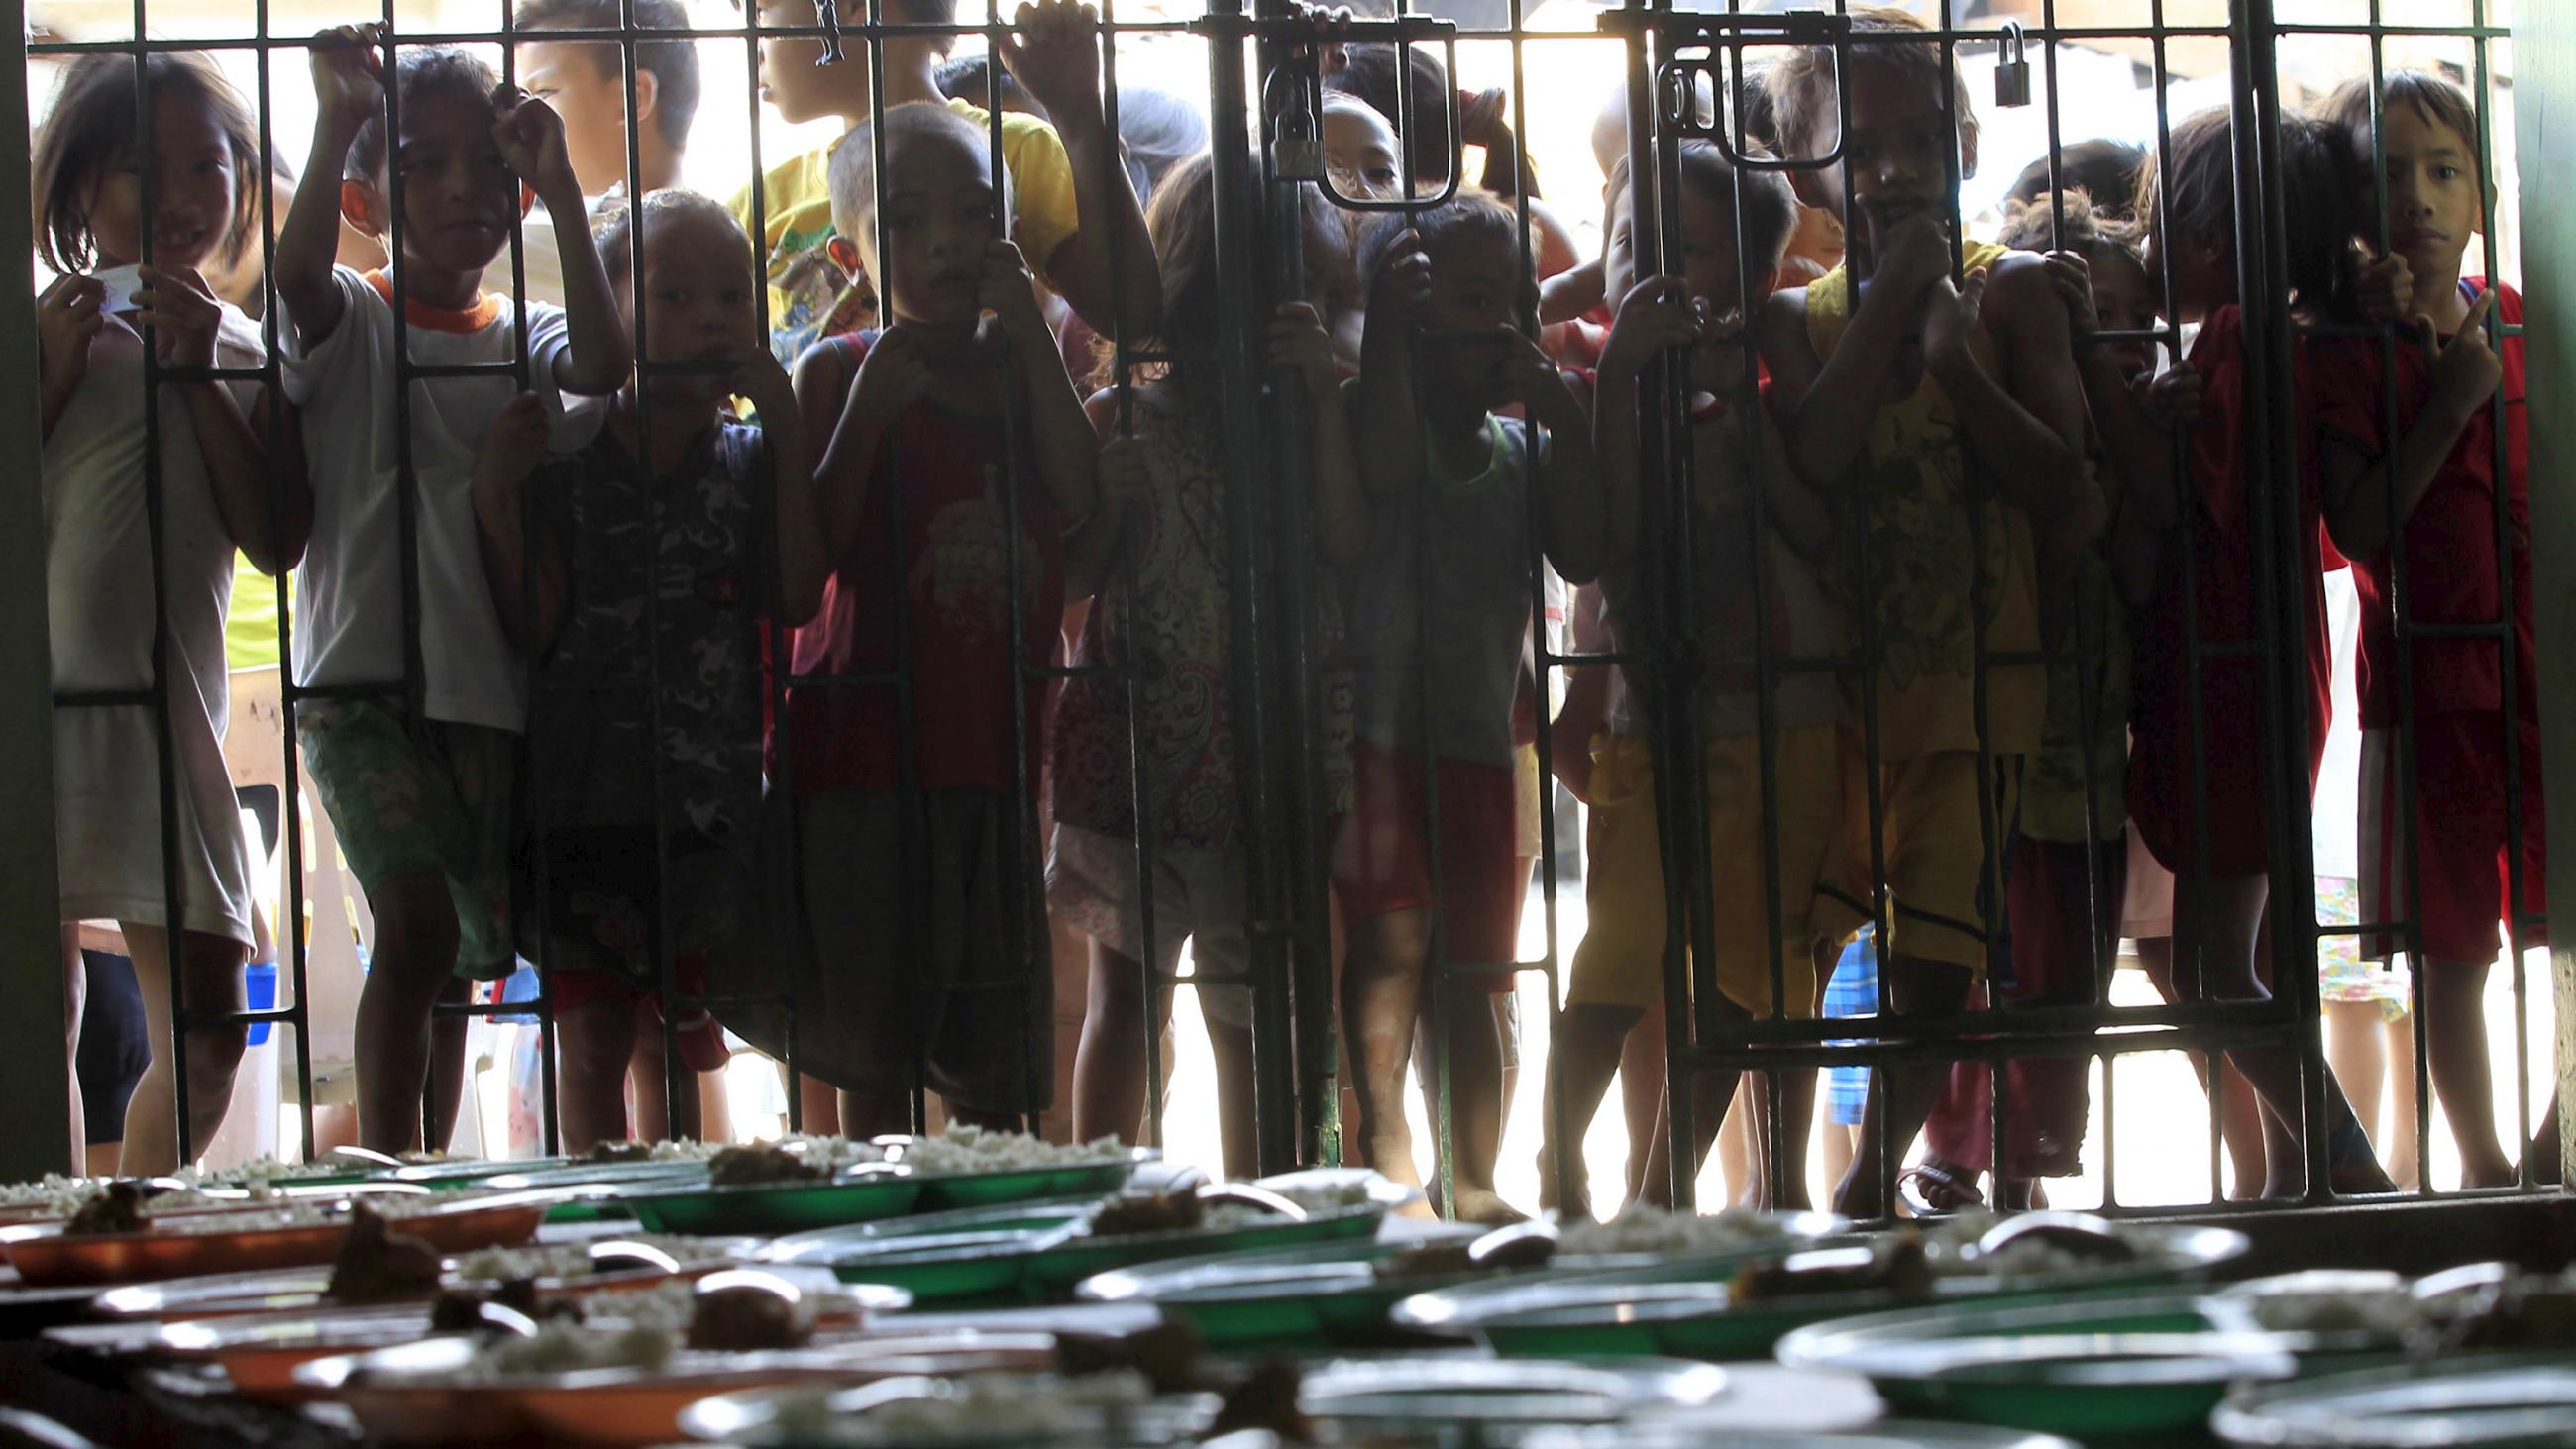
2012 68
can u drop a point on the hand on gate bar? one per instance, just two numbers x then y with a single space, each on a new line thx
531 138
348 73
2385 286
1403 281
1010 293
1654 317
2072 276
1951 319
2171 400
2465 369
1917 255
757 376
1298 341
1056 59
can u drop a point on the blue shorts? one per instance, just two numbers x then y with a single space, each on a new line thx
1853 991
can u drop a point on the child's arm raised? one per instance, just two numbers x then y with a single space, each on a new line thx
1826 405
1061 433
1577 535
184 317
1653 318
1119 469
1390 422
853 414
2359 513
598 356
1298 341
2026 429
1058 63
526 575
347 92
799 530
2137 426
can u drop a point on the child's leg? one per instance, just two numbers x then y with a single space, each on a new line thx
1589 1047
1109 1064
659 1115
819 1106
1381 996
75 997
414 961
209 968
1737 1160
2398 1038
1797 1122
594 1041
2353 1049
1712 1096
1900 1096
2241 1125
2223 918
2455 1038
1641 1091
1475 1062
446 1088
1231 1045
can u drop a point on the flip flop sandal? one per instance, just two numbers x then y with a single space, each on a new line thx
1936 1189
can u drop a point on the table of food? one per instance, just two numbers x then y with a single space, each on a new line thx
990 1289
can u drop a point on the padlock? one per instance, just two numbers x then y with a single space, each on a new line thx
1296 150
2012 68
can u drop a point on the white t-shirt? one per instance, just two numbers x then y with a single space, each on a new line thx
349 596
100 603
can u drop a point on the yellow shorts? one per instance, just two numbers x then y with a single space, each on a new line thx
1620 961
1942 888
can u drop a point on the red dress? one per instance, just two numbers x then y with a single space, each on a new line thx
2221 558
953 567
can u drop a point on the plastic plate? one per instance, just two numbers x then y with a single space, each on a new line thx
783 1207
2498 1401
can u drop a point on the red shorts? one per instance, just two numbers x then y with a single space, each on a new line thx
702 1043
1380 867
2459 833
2050 890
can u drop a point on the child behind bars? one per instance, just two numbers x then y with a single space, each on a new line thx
918 847
417 772
2065 877
1440 610
637 572
1074 208
1695 316
1156 551
2202 764
103 582
2432 186
1945 419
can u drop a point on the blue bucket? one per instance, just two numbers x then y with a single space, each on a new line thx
259 987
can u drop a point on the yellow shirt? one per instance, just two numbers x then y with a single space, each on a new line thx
1944 555
810 297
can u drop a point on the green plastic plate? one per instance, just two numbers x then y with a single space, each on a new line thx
1687 1308
773 1207
2088 1364
1314 1293
1032 1249
994 1189
2492 1401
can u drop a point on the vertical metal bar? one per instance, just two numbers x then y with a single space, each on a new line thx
288 930
2509 646
2279 550
174 933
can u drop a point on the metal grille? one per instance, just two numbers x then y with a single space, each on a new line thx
1262 81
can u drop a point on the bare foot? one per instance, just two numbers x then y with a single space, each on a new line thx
1573 1208
1484 1205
